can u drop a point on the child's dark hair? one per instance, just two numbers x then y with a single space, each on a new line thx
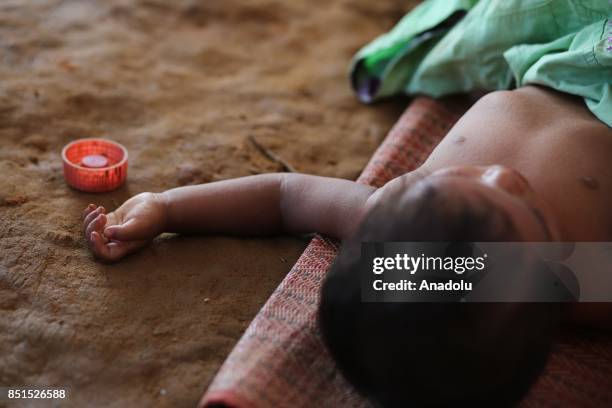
433 354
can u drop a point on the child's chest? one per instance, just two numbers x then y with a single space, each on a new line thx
566 158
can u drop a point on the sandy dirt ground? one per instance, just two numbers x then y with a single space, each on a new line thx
183 85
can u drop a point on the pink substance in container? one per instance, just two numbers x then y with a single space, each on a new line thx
95 165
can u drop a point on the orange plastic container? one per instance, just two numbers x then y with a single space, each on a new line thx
95 165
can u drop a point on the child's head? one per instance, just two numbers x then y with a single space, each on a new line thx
412 353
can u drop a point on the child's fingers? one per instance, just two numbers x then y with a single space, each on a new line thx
89 209
117 250
129 231
111 251
92 216
99 247
102 220
91 226
96 225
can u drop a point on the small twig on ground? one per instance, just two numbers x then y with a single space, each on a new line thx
271 155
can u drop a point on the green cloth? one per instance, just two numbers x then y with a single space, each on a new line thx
452 46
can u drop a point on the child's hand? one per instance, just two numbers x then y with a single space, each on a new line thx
128 228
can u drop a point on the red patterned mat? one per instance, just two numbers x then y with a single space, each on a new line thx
280 361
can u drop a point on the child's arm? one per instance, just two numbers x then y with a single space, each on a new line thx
268 204
256 205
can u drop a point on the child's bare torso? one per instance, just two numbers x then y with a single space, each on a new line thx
554 141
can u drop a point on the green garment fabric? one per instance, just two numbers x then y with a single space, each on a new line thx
451 46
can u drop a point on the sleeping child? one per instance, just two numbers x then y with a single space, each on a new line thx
529 164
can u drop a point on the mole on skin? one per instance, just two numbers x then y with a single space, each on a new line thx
459 140
590 182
